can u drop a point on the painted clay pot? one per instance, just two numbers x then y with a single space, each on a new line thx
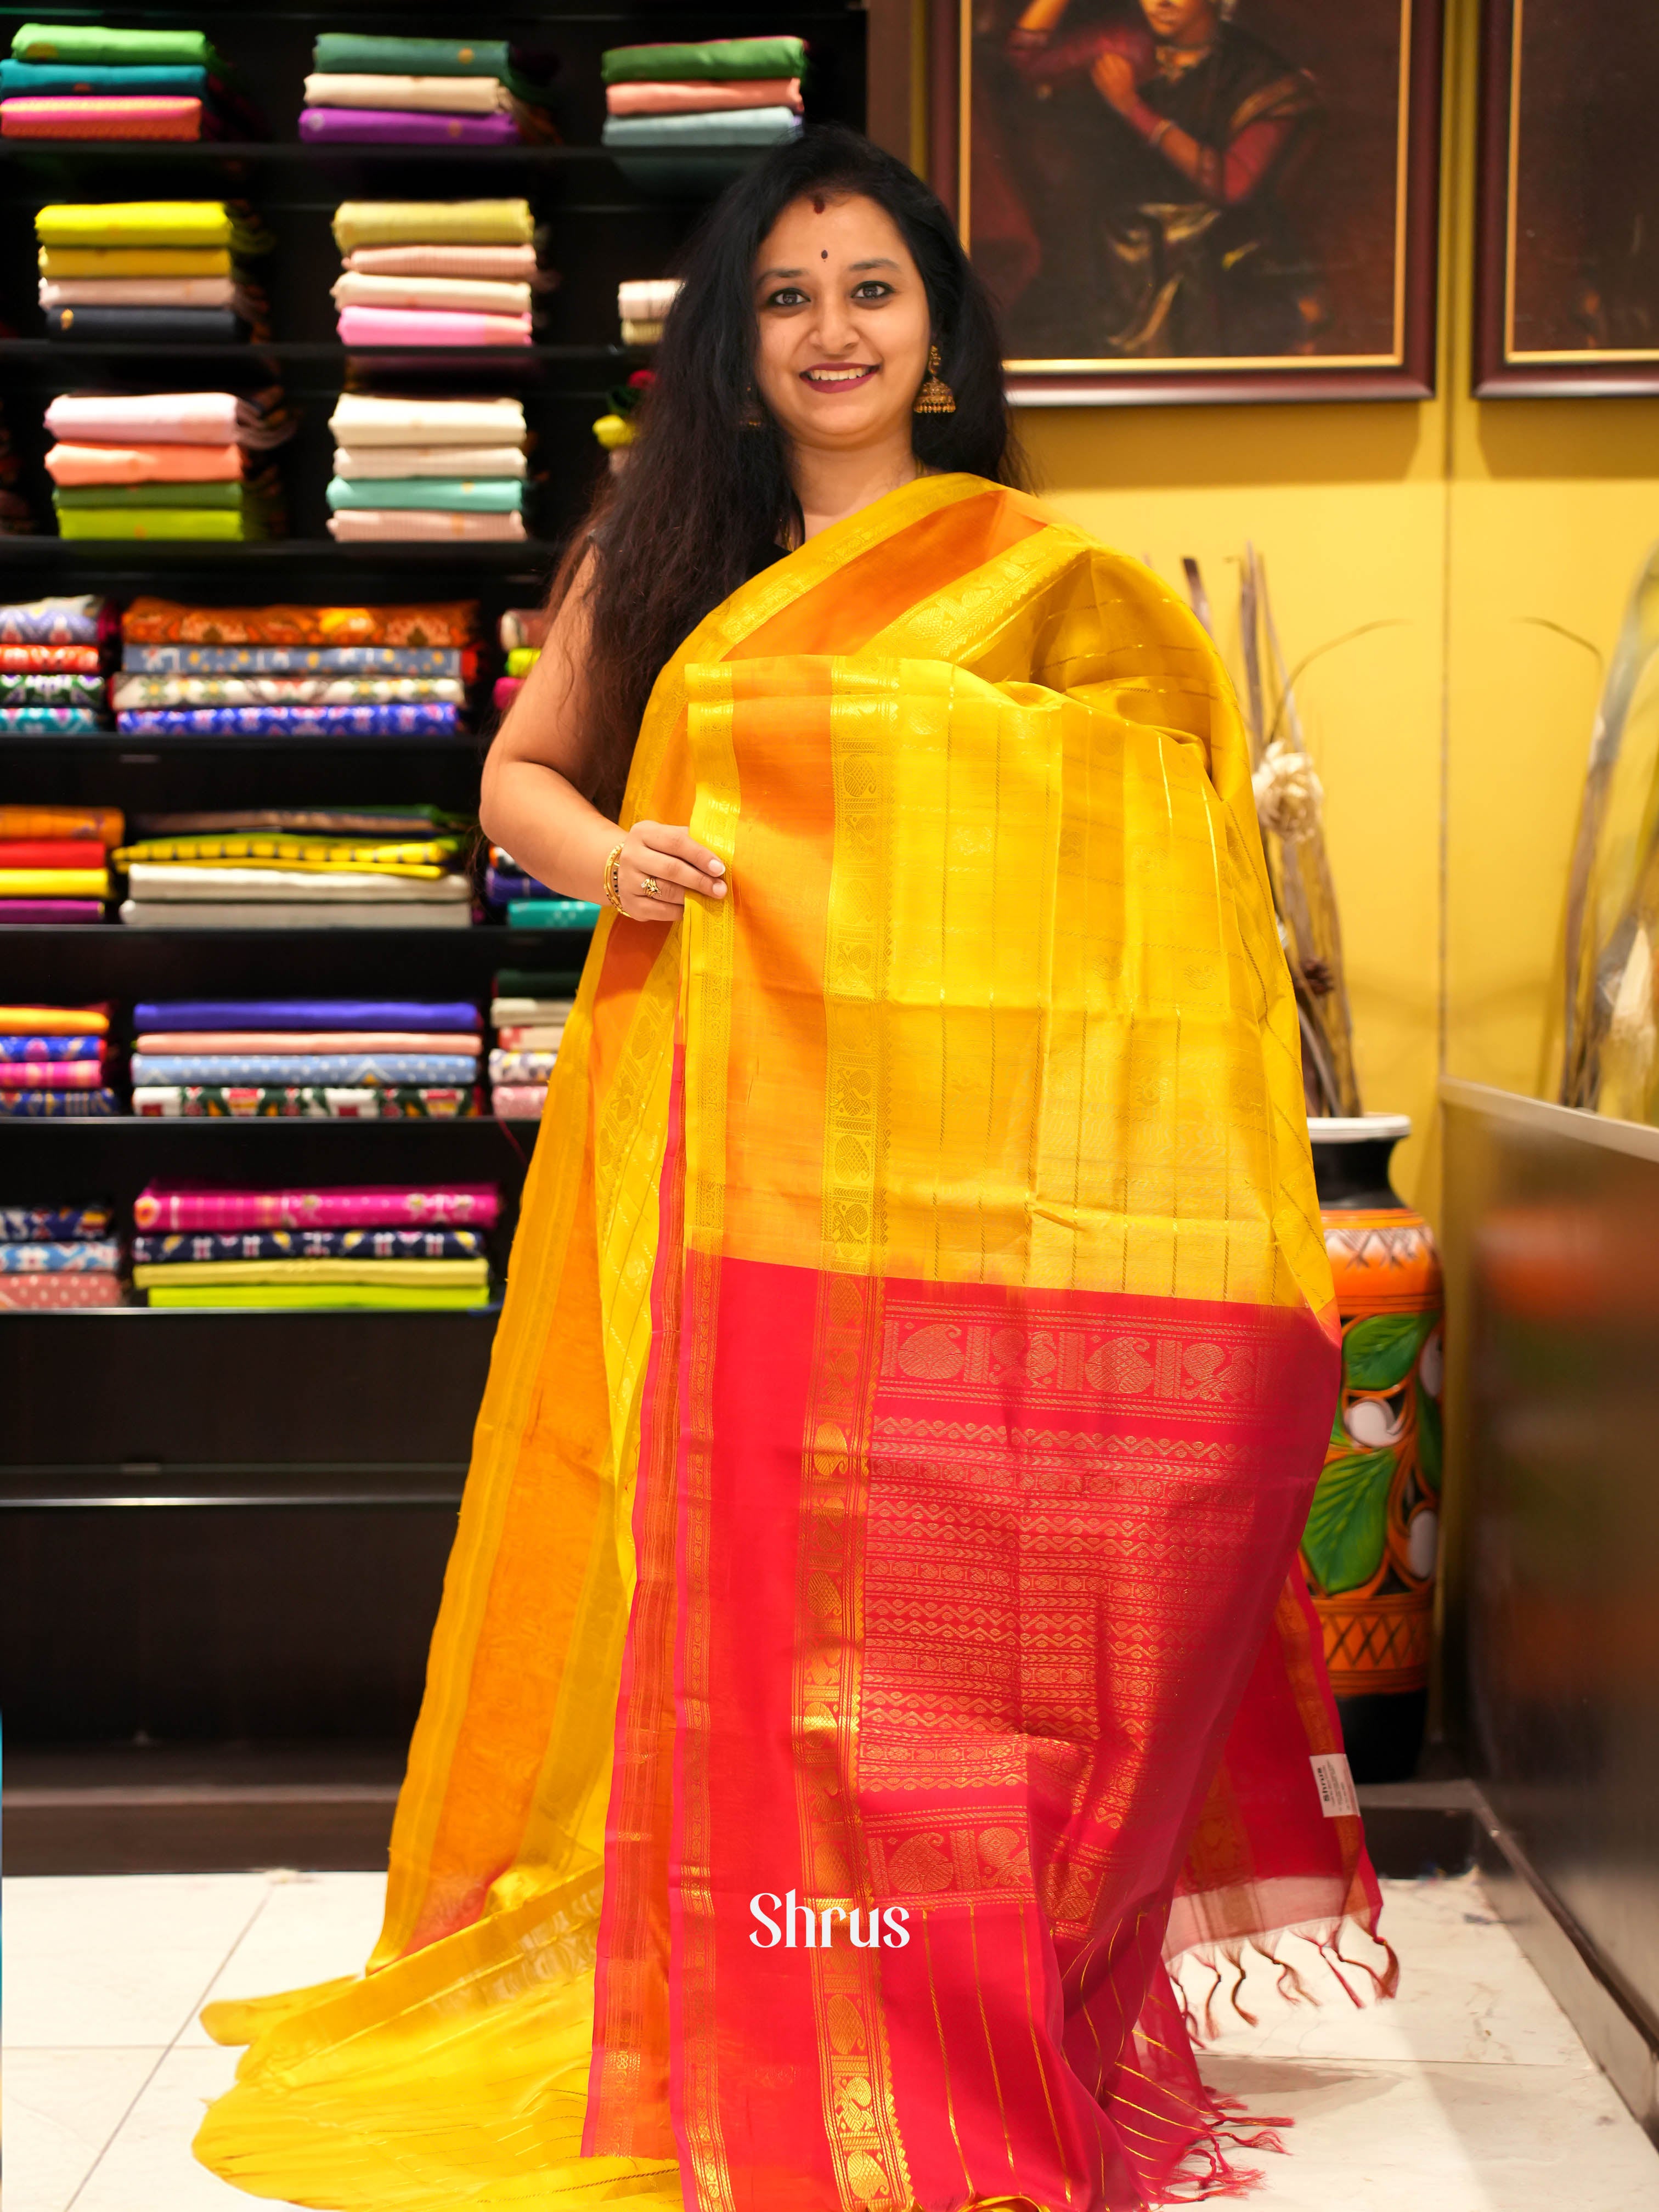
1371 1545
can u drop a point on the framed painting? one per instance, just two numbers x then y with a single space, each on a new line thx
1567 221
1197 200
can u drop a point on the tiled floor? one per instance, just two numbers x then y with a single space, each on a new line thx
1469 2094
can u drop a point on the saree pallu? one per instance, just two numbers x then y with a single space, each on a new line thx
917 1360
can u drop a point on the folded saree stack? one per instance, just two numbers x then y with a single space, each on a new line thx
528 1013
167 464
520 632
427 468
371 91
728 98
84 81
151 272
296 878
307 1059
56 1063
53 1258
400 1245
54 860
466 304
643 307
50 656
313 672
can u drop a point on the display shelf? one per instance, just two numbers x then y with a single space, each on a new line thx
116 555
26 153
59 355
219 1623
488 1315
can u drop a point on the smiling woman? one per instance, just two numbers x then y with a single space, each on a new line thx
917 1359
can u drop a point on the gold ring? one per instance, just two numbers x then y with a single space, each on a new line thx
649 887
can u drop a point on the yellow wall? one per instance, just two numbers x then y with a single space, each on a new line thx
1458 520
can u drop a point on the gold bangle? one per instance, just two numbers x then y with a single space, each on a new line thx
608 881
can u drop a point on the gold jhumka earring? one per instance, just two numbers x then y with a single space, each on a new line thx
752 417
935 396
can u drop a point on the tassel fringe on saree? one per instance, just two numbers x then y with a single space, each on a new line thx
918 1357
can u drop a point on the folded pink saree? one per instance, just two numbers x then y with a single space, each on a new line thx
372 523
54 115
514 262
144 292
429 326
702 96
145 464
50 1074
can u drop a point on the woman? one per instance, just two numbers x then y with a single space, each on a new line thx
868 1646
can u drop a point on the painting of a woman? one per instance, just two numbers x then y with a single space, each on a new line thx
1158 138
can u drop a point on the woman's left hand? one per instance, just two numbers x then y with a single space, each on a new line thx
659 864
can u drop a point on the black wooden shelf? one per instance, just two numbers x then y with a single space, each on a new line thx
484 1315
119 556
312 1619
63 353
20 152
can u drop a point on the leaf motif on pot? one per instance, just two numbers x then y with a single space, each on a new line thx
1348 1522
1380 1352
1430 1450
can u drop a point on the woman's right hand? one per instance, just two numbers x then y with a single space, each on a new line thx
659 864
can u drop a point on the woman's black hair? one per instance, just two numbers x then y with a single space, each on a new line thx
677 530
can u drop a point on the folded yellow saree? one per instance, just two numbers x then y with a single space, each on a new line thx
870 1644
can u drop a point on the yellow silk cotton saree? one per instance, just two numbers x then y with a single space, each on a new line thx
871 1647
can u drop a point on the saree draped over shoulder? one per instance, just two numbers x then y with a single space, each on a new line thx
870 1648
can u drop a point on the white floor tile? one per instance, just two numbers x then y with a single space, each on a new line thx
313 1927
62 2108
119 1963
1470 2093
1466 1994
1473 2138
149 2168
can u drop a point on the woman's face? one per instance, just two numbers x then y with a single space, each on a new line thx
843 322
1186 22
